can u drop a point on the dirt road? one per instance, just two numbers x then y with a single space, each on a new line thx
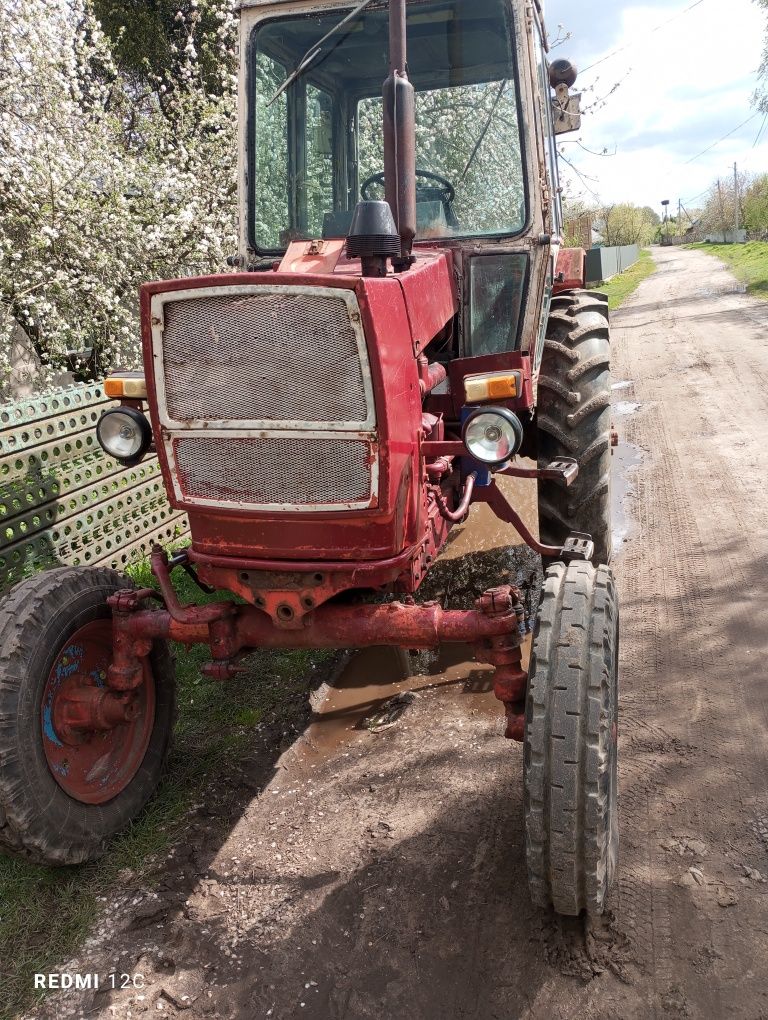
381 874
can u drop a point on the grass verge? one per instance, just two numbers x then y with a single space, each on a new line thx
748 261
45 913
620 287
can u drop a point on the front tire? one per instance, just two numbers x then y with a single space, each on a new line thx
574 420
570 752
64 793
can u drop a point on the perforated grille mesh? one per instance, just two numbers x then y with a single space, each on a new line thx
272 356
274 470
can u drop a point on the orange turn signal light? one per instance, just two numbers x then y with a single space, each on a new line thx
129 385
492 386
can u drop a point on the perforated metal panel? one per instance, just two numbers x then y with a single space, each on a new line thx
275 471
293 355
62 500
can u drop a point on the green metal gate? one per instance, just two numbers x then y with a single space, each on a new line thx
62 500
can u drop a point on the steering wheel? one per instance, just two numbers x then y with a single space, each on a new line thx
448 190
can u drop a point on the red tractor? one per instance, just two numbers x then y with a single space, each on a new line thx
402 326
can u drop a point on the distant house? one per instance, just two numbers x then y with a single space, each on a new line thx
581 232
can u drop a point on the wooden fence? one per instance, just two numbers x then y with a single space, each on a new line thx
63 500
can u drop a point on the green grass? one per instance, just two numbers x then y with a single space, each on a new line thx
44 912
748 261
625 284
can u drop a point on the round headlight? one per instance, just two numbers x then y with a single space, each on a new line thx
124 434
493 435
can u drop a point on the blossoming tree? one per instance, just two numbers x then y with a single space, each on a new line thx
105 180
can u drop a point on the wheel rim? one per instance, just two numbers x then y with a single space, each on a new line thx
94 739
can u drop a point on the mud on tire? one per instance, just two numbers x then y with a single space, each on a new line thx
574 420
570 752
39 821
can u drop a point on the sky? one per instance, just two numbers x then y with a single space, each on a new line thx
682 87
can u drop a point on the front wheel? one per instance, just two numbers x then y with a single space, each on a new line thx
570 753
77 761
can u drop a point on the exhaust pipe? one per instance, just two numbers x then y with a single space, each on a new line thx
400 136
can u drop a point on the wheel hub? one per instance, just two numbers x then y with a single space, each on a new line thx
94 738
80 709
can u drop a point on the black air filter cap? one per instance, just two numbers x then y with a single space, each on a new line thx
373 232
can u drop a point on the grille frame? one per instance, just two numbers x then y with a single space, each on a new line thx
191 501
157 314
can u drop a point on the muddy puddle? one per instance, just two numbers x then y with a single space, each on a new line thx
347 709
482 554
626 459
723 291
624 408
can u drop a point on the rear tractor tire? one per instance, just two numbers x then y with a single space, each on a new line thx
570 751
69 780
574 420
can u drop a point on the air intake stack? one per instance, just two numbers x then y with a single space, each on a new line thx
400 136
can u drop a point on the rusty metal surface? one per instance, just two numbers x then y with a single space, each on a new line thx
504 652
231 629
459 514
94 737
513 361
378 533
570 270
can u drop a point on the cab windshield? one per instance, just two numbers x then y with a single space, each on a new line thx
316 145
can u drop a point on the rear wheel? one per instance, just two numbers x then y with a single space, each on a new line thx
571 762
77 761
574 420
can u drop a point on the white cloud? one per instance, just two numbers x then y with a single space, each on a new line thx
690 83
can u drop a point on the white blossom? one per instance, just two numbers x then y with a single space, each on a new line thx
103 187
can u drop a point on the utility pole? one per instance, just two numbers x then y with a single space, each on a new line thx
736 200
722 209
680 218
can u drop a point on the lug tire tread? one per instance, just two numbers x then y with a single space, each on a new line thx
38 821
574 420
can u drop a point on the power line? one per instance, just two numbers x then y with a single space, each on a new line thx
658 28
760 132
689 201
714 144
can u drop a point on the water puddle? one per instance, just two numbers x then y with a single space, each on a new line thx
626 459
374 675
624 408
724 291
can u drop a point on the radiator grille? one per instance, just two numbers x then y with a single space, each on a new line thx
274 355
274 471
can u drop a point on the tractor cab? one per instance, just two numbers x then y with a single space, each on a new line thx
314 145
314 139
